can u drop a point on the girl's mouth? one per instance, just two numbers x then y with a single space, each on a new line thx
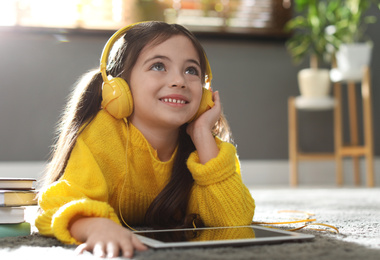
174 101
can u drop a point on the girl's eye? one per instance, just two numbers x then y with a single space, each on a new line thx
158 67
192 71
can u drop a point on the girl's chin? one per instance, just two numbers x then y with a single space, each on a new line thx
177 121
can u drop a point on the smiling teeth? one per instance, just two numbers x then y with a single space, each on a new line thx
172 100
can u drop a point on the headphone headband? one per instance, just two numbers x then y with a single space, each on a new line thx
107 48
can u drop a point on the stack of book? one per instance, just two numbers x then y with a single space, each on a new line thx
15 195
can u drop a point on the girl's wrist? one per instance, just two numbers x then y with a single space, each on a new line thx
81 226
78 228
206 146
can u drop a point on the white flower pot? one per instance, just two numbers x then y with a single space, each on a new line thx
352 58
314 83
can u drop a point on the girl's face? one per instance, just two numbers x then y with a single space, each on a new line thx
166 84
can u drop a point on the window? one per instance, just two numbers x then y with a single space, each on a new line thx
234 16
266 17
88 14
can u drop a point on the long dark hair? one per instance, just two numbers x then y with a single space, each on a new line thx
169 207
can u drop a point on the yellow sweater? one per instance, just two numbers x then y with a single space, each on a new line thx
96 170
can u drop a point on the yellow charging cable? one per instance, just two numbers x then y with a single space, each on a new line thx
308 222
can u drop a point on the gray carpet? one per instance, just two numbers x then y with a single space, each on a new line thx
355 211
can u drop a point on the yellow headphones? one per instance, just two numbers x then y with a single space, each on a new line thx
117 97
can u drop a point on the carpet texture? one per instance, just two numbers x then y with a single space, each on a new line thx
354 211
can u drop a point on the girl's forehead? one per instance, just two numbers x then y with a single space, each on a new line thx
173 44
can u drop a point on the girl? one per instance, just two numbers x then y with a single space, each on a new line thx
153 168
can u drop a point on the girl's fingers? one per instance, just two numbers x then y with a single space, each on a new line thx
216 96
217 101
99 250
129 246
127 249
113 250
80 249
138 244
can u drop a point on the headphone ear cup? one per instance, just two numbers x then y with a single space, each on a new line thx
117 98
206 103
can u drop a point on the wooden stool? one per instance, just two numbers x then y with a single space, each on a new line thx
295 154
352 149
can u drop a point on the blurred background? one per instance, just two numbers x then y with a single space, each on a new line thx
45 46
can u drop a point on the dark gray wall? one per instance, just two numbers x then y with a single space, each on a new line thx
255 79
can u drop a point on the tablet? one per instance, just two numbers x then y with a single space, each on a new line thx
218 236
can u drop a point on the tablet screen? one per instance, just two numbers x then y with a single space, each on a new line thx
219 235
201 234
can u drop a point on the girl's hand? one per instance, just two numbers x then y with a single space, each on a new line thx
104 238
207 120
200 131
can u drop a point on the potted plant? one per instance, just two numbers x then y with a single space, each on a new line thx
355 47
311 39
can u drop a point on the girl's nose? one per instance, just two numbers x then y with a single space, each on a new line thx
178 80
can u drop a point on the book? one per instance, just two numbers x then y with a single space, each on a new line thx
18 198
12 215
15 193
15 230
17 183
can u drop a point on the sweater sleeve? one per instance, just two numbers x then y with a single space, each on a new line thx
219 195
82 191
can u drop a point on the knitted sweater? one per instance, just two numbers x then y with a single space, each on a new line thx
96 182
